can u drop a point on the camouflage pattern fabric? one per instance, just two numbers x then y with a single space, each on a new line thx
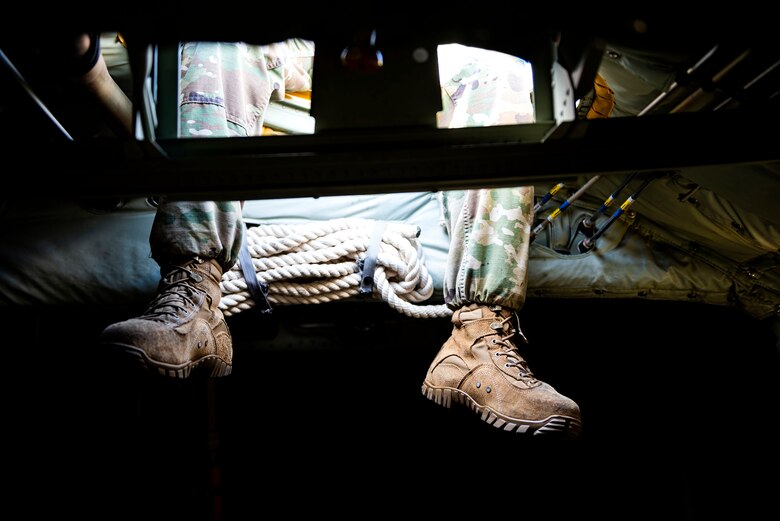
482 88
489 233
225 90
489 229
207 229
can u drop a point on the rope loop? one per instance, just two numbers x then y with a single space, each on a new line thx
319 261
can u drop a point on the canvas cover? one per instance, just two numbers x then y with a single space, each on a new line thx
707 235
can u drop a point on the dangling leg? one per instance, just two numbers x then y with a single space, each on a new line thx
194 242
183 328
485 284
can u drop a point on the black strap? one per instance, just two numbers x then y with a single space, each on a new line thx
83 64
258 290
368 264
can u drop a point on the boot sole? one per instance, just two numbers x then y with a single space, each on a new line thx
215 366
552 425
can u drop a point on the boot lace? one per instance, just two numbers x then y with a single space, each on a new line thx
175 296
507 348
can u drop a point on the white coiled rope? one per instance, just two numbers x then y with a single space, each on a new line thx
318 262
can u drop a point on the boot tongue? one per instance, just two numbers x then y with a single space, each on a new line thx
473 314
177 275
175 297
178 272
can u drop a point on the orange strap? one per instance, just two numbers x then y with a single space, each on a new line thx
603 99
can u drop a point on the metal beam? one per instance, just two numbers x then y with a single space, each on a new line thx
353 162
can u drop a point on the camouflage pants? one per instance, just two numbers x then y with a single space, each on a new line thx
225 91
206 229
489 232
487 261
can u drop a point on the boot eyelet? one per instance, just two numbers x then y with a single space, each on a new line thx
479 384
497 354
487 389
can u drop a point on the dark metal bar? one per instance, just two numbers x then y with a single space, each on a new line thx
247 168
25 87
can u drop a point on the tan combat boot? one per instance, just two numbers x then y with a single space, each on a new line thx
182 328
479 366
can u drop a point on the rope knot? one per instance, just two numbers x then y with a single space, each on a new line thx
325 261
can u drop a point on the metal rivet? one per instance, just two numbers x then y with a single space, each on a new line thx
487 389
199 344
479 384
